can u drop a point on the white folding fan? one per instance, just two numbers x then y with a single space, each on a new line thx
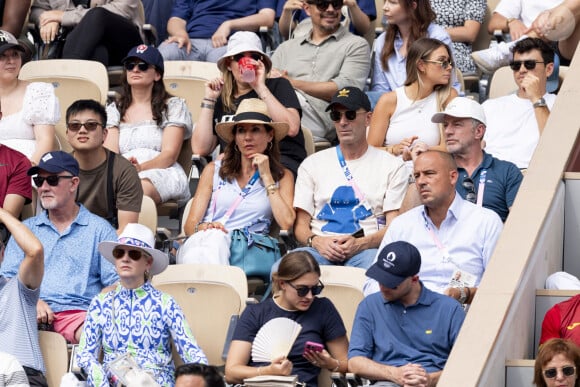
275 339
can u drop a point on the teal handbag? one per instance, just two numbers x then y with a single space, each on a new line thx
256 257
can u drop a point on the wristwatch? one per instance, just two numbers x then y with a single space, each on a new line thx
462 295
540 103
309 240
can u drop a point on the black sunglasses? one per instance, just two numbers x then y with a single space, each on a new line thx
323 5
76 126
470 188
349 114
551 373
303 291
253 55
142 66
52 180
135 255
529 64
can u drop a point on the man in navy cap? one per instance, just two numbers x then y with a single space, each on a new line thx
346 196
74 269
403 334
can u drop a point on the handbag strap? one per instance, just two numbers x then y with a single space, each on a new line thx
243 193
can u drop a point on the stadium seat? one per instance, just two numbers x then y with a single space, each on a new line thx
55 354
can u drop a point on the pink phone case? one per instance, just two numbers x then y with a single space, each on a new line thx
313 347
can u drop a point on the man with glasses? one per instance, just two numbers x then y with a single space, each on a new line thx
320 63
75 271
109 184
346 196
483 179
199 30
516 121
455 237
402 335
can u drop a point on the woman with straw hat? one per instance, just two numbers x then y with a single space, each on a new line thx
135 320
249 186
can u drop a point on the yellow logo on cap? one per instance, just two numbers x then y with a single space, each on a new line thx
343 93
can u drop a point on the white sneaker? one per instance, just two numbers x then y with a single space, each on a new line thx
493 58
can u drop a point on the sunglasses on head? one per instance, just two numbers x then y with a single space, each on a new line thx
470 188
443 63
529 64
52 180
349 114
76 126
135 255
551 373
303 291
142 66
323 5
253 55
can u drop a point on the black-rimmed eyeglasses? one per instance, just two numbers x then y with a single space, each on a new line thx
323 5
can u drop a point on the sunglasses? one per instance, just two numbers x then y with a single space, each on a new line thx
349 114
76 126
529 64
52 180
443 63
135 255
551 373
323 5
142 66
303 291
470 188
253 55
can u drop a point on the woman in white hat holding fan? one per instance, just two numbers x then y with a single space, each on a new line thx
135 321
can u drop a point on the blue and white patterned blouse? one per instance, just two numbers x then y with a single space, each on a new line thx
140 322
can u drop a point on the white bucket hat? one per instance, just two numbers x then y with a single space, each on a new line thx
136 235
243 41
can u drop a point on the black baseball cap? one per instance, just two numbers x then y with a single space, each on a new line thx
396 262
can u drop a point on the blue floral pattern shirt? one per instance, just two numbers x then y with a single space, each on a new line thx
140 322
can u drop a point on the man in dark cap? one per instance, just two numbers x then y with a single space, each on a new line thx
403 334
346 196
75 271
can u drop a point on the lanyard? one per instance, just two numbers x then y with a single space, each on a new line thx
349 177
243 193
440 246
481 187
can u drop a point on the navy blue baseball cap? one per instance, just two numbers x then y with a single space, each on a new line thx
56 162
147 54
396 262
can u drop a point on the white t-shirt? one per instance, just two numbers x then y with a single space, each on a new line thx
323 191
512 132
524 10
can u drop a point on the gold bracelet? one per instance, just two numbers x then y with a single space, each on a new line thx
271 189
337 365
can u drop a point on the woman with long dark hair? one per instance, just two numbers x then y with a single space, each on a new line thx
148 126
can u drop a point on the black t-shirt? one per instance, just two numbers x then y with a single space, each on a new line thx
291 148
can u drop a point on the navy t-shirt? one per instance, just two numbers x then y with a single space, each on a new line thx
320 323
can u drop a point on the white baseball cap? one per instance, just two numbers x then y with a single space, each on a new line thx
461 107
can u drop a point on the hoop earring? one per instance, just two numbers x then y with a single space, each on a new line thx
270 145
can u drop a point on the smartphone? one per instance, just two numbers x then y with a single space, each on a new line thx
359 233
313 347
